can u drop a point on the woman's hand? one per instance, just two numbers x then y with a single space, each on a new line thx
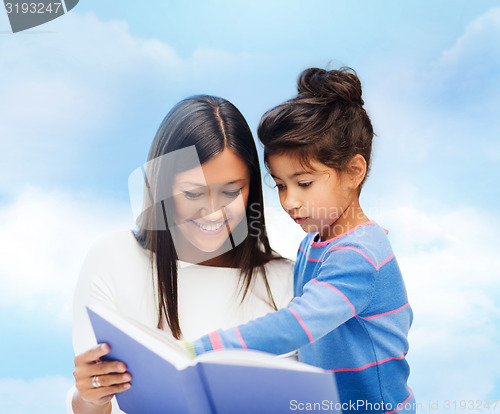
97 381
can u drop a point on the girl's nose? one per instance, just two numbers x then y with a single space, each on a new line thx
290 202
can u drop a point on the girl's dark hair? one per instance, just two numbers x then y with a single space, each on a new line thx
211 124
326 121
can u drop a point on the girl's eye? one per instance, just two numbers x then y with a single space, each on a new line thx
305 184
192 196
279 186
235 193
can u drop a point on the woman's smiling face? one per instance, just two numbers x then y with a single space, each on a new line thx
210 201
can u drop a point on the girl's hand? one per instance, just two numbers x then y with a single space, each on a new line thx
98 381
188 346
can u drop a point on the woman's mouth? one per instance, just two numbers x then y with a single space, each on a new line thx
299 220
210 228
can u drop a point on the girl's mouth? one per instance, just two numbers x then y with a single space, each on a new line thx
299 220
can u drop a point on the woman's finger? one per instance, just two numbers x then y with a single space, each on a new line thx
110 380
93 354
111 375
104 368
104 393
84 373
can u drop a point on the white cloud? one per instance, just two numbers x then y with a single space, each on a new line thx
464 87
452 271
437 122
44 237
39 395
477 50
64 87
74 88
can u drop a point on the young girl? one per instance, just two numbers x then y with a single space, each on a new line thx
350 314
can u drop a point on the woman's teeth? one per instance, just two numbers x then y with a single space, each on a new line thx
209 227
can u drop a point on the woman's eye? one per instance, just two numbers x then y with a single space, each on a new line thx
235 193
279 186
191 195
305 184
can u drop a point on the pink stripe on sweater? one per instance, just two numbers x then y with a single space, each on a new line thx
215 340
243 344
362 253
385 313
339 292
372 364
386 261
302 324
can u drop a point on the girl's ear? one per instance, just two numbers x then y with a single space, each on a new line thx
357 169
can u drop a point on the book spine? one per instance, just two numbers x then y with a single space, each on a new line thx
197 394
206 389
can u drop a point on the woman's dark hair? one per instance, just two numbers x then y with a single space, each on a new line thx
211 124
326 121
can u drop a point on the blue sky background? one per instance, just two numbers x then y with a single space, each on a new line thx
81 98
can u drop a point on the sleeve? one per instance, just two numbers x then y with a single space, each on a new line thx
342 288
93 286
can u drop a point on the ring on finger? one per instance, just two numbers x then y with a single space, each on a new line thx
95 382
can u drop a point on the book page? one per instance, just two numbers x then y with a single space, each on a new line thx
160 342
254 358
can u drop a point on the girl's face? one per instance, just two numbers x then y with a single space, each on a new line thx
315 198
210 202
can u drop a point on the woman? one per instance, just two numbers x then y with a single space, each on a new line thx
200 258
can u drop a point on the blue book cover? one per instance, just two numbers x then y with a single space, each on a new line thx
165 379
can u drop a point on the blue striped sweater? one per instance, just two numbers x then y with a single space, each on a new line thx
350 316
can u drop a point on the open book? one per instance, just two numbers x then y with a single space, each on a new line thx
166 379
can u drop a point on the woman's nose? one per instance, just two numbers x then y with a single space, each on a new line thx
216 216
212 207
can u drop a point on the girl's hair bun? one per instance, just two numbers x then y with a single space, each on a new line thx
329 86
